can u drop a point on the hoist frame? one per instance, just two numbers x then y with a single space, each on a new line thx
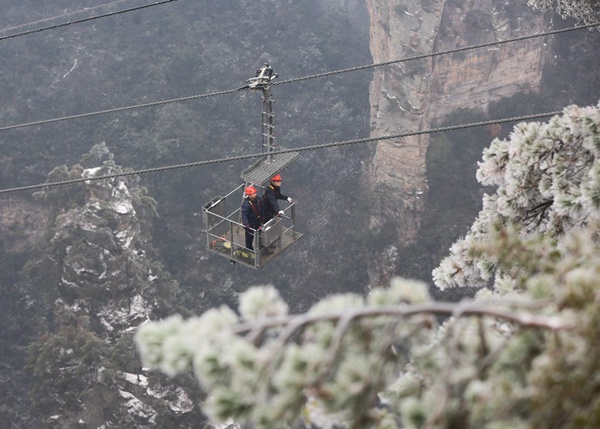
261 172
225 232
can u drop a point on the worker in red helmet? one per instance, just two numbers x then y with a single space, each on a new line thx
252 215
270 198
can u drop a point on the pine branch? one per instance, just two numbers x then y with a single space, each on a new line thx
523 319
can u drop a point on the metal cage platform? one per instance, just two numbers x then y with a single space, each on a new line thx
225 235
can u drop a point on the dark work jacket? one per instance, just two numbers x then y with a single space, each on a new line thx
270 204
252 212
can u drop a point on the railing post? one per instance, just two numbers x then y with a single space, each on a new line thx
256 248
293 216
207 237
231 240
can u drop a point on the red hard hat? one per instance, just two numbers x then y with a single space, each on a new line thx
276 178
250 190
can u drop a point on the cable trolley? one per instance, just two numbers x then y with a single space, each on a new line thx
222 216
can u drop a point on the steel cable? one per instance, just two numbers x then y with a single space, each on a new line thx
78 21
299 149
64 15
217 93
434 54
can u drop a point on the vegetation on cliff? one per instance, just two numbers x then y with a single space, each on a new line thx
94 279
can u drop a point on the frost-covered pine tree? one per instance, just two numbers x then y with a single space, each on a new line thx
521 355
547 179
584 11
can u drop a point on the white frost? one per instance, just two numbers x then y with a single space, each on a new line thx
137 407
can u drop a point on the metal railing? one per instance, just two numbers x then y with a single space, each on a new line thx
225 234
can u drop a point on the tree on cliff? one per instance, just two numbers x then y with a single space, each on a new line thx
547 179
585 11
94 280
521 355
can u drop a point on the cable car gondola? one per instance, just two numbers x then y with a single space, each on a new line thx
225 234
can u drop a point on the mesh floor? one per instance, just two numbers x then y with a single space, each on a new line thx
222 246
265 168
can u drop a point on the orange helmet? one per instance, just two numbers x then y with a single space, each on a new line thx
276 178
250 190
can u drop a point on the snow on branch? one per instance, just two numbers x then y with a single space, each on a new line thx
547 180
584 11
269 367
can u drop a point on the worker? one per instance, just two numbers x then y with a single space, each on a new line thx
272 194
252 215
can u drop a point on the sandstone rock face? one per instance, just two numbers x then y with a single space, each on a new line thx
477 77
399 98
412 95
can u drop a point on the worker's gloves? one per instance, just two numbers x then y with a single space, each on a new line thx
289 200
280 213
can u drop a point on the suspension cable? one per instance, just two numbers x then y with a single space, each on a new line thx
434 54
64 15
78 21
282 151
217 93
120 109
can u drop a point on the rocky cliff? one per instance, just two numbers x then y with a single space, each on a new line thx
21 222
413 95
94 281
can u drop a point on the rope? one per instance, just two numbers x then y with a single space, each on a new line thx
213 94
41 21
301 149
78 21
